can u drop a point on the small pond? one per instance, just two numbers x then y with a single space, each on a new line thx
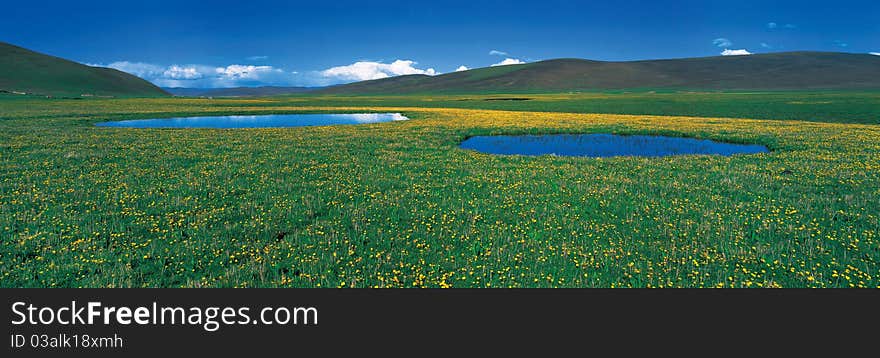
605 145
260 121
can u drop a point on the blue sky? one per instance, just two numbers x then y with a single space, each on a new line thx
249 43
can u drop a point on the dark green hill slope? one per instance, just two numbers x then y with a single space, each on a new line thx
23 70
774 71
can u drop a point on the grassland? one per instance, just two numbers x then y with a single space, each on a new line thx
828 106
399 205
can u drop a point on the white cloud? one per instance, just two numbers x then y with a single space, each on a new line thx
368 70
461 68
202 76
257 58
139 69
722 42
729 52
509 61
182 73
245 71
773 25
766 45
497 53
242 75
874 53
250 75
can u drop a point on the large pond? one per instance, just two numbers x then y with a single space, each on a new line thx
605 145
261 121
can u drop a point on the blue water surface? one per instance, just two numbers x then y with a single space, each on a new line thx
605 145
260 121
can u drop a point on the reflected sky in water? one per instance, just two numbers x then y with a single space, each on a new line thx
605 145
260 121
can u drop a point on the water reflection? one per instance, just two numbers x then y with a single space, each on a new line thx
605 145
260 121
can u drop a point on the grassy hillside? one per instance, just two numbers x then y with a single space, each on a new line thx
775 71
22 70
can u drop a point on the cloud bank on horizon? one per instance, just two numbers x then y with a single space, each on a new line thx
203 76
508 61
740 52
725 43
236 75
368 70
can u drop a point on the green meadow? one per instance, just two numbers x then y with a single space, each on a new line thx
398 204
842 106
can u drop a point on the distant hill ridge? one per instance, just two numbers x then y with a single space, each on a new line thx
772 71
26 71
237 91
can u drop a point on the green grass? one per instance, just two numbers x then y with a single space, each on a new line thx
827 106
842 107
399 205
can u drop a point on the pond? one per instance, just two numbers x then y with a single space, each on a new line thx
605 145
260 121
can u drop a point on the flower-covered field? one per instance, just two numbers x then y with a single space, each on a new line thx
400 205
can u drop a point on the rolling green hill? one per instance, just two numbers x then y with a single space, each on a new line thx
773 71
25 71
